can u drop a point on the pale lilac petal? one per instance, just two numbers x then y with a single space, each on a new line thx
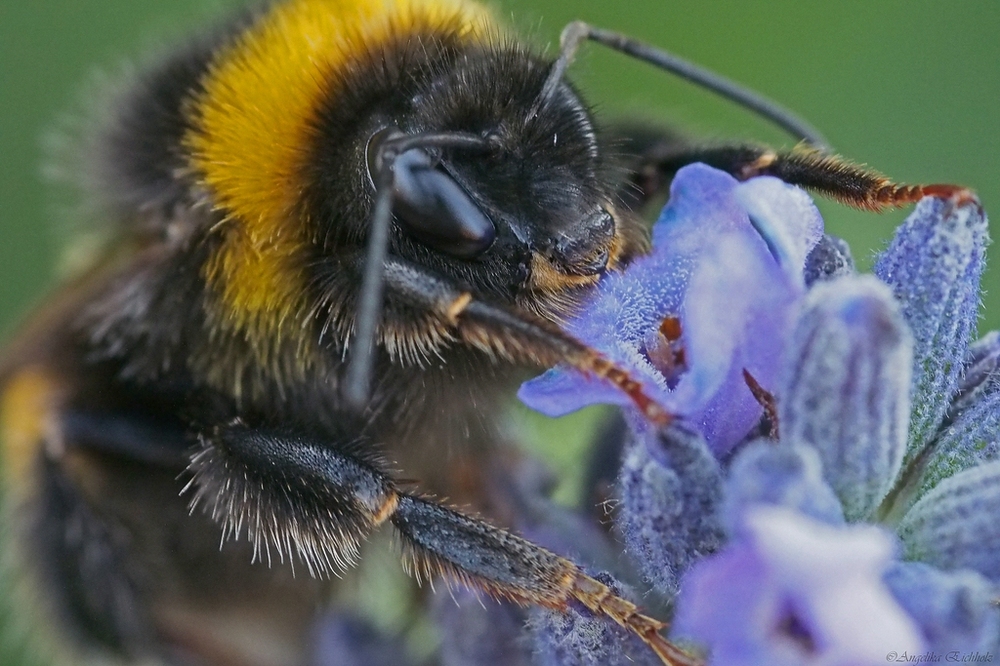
738 312
846 388
767 472
934 265
955 609
733 283
790 590
786 218
670 488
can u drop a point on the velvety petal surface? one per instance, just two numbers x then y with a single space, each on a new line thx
954 609
766 472
934 265
670 488
846 388
790 590
727 261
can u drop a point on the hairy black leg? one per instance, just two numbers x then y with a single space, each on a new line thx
316 499
295 497
518 337
442 540
829 175
82 555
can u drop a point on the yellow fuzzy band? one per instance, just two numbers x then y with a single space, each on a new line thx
27 413
254 130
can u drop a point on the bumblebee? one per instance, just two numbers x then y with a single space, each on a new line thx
341 231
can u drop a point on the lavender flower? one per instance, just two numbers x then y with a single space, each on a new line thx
728 262
790 590
844 397
670 488
887 413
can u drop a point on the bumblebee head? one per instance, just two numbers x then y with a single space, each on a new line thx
290 132
289 136
523 214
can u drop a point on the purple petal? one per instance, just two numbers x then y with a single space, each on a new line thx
766 472
955 610
786 219
670 488
796 591
934 265
734 283
737 315
846 388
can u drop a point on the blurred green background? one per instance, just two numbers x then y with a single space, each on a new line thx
908 86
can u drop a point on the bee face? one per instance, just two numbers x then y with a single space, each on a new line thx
525 221
528 217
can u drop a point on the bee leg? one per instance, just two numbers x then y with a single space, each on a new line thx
296 498
78 552
82 558
315 500
829 175
442 540
519 337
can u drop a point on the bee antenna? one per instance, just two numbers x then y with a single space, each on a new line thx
357 386
578 31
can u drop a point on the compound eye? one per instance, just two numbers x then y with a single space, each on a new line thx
431 205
